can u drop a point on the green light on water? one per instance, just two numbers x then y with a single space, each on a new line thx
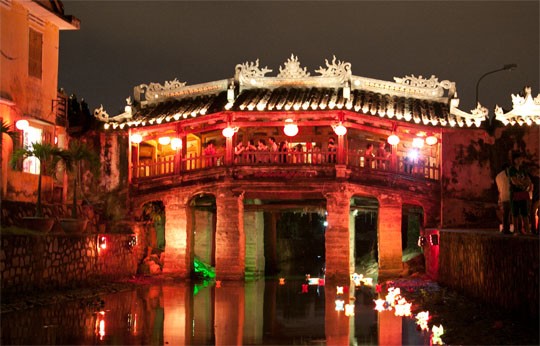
203 270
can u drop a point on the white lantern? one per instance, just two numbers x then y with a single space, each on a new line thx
164 140
418 142
431 140
22 124
136 138
176 143
393 139
339 129
228 132
290 128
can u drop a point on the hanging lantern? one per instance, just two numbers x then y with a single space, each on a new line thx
22 124
102 242
431 139
164 140
418 142
393 139
136 138
176 143
228 132
339 129
290 128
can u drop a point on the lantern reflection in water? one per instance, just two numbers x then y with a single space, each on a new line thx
100 325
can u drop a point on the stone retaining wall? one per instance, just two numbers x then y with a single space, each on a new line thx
57 261
495 268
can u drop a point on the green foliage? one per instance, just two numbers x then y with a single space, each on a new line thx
6 129
203 270
48 156
74 157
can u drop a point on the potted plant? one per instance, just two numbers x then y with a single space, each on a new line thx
48 156
73 158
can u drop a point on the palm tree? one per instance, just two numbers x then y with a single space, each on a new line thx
73 157
48 156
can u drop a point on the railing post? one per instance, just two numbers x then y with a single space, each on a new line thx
394 159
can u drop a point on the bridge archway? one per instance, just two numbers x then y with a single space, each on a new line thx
202 225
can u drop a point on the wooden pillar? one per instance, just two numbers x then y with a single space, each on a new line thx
390 329
337 237
229 151
230 237
177 258
341 157
389 235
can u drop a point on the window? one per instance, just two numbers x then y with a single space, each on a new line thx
35 47
31 135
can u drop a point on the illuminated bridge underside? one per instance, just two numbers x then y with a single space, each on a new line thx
238 201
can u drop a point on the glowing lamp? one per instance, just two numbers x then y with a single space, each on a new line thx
22 124
282 281
218 283
412 154
380 305
290 128
349 310
393 139
164 140
176 143
305 288
102 242
339 289
339 129
431 140
340 305
418 142
136 138
228 132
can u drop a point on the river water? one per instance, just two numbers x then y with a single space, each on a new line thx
263 312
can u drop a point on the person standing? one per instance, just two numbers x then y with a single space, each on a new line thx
535 202
503 185
519 194
382 155
368 156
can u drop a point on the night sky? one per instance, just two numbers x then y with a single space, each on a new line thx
125 43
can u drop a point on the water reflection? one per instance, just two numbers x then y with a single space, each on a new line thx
236 313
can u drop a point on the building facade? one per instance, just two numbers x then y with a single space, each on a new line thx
29 99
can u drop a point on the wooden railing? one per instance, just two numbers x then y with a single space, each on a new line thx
312 157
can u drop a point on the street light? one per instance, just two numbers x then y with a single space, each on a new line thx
508 67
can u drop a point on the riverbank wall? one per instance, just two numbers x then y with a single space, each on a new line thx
497 269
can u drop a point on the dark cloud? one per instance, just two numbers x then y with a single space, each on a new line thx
124 43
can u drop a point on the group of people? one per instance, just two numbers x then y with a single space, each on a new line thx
518 197
376 159
281 152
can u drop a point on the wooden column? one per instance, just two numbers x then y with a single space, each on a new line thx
177 258
389 234
270 243
337 237
230 237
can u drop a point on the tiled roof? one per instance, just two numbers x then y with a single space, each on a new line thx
300 99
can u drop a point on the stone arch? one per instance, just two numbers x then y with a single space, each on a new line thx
202 227
364 236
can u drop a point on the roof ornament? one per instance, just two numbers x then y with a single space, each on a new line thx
526 110
431 83
248 71
340 69
102 115
460 118
154 91
292 69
